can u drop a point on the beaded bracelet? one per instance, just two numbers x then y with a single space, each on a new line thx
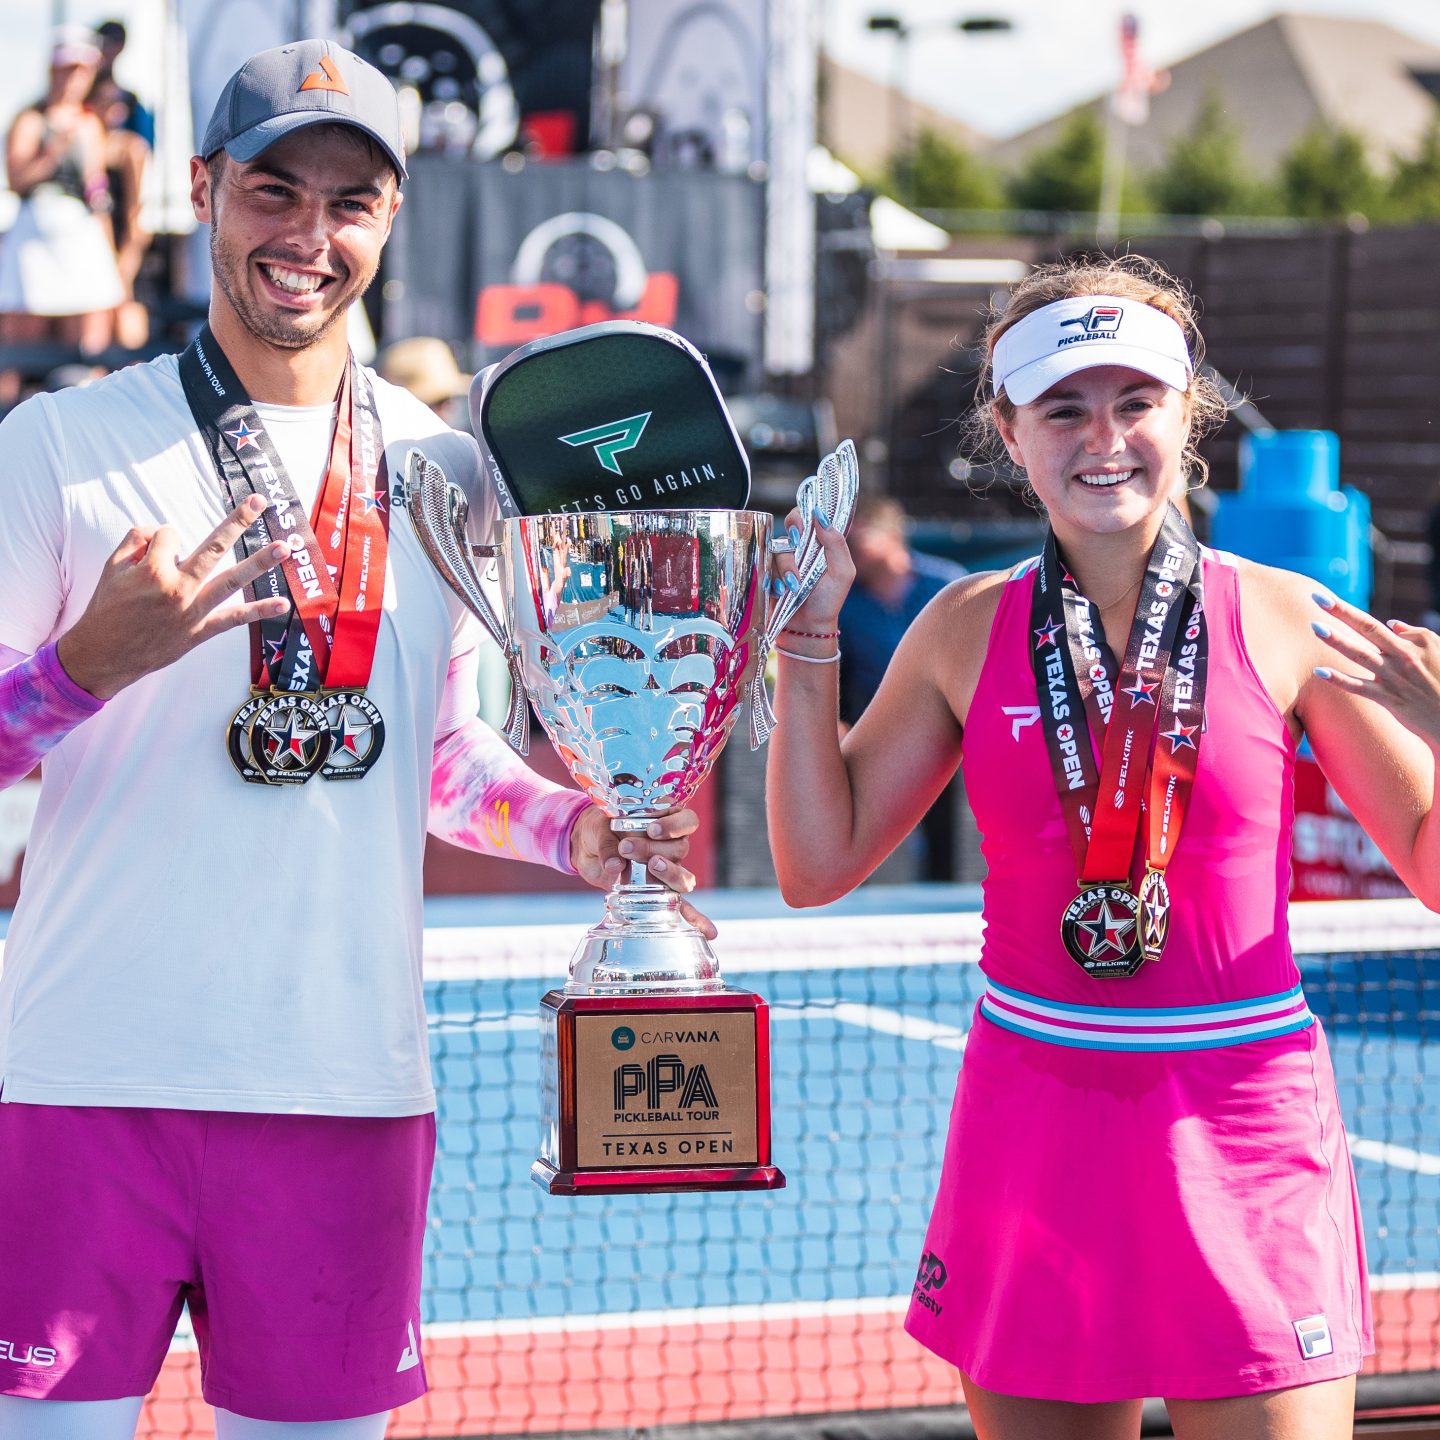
812 634
808 659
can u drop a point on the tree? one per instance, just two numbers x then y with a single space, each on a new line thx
1415 184
937 173
1204 171
1327 177
1064 175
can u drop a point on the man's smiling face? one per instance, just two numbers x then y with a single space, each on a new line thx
296 233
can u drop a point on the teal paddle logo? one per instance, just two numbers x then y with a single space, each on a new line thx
610 439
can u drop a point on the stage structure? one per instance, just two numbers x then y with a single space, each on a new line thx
598 161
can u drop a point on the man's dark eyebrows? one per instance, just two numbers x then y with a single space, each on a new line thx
275 172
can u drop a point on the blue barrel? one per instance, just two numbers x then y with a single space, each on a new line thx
1292 512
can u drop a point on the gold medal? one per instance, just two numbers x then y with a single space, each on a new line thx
1154 917
237 738
1100 929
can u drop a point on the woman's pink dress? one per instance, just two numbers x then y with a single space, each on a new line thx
1155 1219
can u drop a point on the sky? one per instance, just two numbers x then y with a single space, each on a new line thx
1060 51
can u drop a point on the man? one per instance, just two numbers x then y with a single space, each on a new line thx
212 1039
893 584
133 116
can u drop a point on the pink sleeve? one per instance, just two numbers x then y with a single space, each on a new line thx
484 797
39 705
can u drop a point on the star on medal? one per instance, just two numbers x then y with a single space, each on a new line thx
372 503
349 733
1108 930
290 738
1140 693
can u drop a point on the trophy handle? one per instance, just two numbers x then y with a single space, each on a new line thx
438 512
832 489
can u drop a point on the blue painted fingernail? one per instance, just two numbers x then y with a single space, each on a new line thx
821 518
791 581
794 534
1325 602
779 585
1324 672
1323 631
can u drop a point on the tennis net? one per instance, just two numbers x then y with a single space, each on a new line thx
547 1314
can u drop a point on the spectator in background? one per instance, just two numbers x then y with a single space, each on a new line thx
58 277
135 117
893 584
425 366
129 140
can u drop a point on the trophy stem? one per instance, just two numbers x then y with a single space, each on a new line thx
644 943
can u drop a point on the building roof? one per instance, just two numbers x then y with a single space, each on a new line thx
1277 80
859 118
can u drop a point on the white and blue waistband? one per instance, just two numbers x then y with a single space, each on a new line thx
1182 1027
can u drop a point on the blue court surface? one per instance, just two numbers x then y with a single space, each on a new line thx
864 1059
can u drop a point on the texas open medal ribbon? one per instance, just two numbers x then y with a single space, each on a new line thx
1107 929
284 733
353 525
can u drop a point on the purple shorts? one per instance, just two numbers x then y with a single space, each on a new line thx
295 1239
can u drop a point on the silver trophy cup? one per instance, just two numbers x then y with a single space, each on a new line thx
637 636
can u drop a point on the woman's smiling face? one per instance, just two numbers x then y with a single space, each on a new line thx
1102 448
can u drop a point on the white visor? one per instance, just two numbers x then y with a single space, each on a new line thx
1070 335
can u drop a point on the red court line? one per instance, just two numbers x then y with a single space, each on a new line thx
641 1376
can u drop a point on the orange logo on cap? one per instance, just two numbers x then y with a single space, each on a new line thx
327 77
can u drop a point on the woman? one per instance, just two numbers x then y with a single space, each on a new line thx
1146 1187
58 274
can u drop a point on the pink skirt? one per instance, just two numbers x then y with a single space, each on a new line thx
1119 1225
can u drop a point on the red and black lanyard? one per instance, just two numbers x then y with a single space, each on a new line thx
1150 714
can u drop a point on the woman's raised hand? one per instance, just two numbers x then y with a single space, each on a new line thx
1395 665
821 611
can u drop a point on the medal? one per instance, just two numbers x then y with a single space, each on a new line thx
237 739
1154 914
357 734
1101 930
289 738
333 577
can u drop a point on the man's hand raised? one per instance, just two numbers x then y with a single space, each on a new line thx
151 605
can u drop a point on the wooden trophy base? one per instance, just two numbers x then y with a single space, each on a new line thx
653 1092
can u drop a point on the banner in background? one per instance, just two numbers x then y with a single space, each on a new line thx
485 74
698 71
489 259
1332 858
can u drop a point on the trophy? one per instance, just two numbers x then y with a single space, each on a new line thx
636 633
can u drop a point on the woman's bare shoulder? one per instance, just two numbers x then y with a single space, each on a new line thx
969 603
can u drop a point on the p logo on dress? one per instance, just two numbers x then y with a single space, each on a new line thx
1313 1333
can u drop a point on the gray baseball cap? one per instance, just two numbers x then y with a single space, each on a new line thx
309 82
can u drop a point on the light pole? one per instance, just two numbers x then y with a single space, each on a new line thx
902 30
